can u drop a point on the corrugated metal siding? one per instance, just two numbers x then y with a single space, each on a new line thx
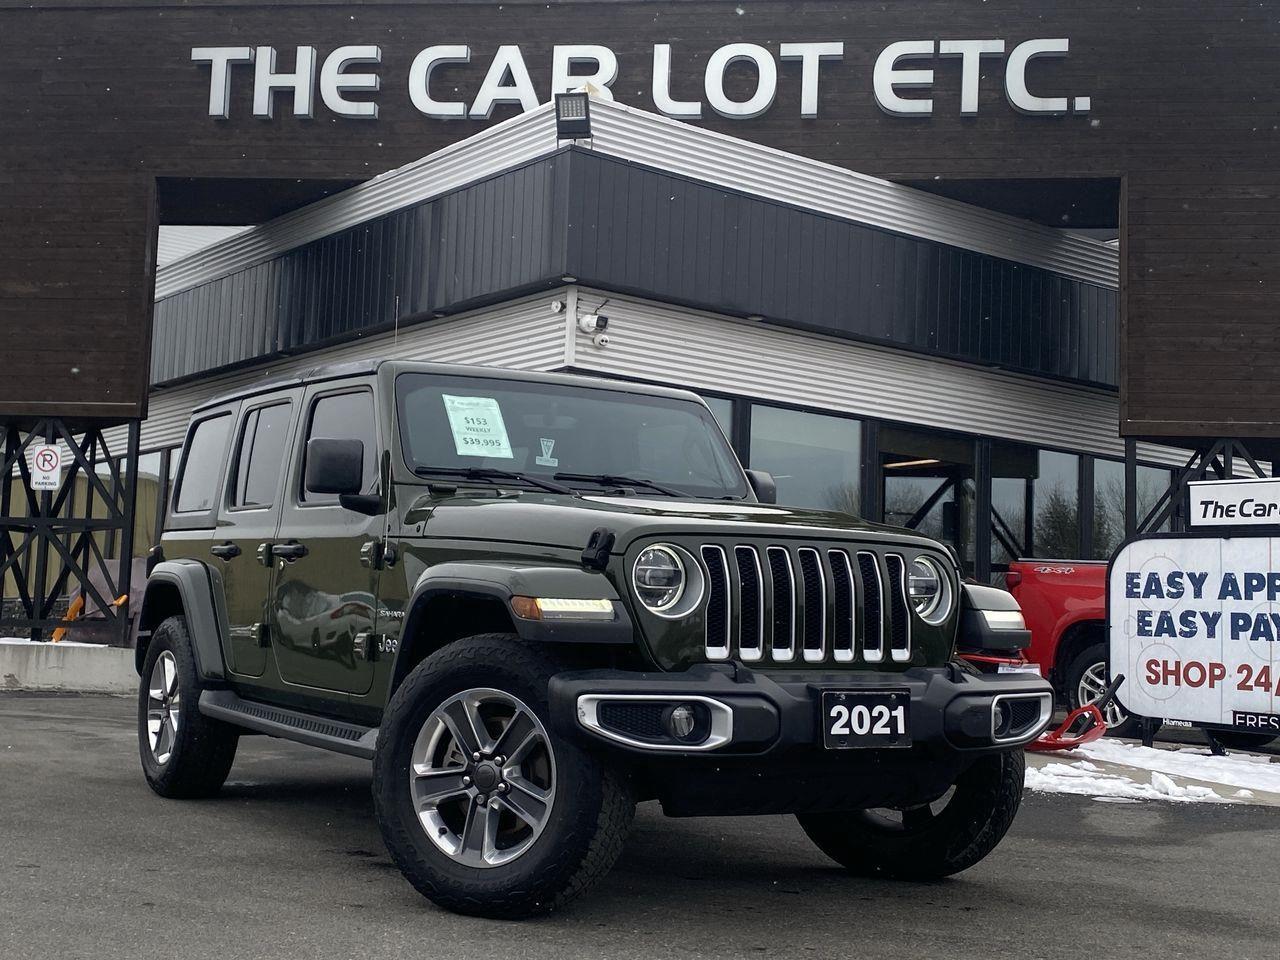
497 148
679 148
648 138
635 228
523 335
500 235
703 351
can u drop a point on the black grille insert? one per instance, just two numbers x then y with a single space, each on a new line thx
842 604
641 721
899 624
717 601
784 603
751 602
815 603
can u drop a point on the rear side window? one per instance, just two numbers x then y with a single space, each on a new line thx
202 465
344 416
260 456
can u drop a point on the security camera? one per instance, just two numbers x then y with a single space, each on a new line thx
600 339
593 323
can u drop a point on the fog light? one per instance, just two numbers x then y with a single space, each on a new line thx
680 721
1003 718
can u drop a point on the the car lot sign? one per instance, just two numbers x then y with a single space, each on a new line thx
46 468
1195 629
1234 503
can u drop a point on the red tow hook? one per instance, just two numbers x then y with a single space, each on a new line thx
1083 725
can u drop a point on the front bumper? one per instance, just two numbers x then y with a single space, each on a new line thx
747 713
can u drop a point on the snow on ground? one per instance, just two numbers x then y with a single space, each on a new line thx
1238 769
1116 771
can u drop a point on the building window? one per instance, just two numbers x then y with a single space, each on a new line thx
722 410
1108 502
928 486
1035 504
815 459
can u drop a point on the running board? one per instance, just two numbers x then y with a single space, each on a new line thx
324 732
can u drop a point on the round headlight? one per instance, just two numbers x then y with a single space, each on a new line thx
659 578
929 590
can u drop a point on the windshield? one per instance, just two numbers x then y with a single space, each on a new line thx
545 431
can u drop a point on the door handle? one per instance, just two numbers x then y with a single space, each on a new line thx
225 551
289 551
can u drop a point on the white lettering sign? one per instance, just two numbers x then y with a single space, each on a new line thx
1234 503
901 67
1195 629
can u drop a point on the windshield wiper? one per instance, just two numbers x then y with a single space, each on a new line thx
613 479
493 473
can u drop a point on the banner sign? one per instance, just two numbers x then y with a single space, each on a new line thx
1195 629
1234 503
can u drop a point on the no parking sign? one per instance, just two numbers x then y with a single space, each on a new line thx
46 468
1195 629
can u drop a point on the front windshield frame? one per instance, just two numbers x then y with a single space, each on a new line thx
730 483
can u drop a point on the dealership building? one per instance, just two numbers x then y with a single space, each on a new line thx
879 349
1003 272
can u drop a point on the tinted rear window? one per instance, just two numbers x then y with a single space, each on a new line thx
202 465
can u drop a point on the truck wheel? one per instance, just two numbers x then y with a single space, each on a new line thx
184 753
485 810
1086 679
932 840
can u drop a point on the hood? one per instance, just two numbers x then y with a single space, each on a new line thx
545 519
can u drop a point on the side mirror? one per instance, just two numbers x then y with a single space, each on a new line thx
763 485
335 466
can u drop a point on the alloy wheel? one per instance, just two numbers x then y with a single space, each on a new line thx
482 777
164 707
1093 684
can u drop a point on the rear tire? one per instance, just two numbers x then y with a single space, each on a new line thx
925 842
1085 678
184 753
516 832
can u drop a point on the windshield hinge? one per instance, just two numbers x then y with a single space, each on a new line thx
596 554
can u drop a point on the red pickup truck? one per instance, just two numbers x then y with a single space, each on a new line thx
1064 603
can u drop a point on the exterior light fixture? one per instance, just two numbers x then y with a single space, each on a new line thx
573 116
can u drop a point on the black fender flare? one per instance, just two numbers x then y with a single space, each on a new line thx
203 603
501 581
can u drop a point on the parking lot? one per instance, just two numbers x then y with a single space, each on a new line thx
289 862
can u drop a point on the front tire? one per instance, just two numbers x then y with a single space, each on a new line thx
483 808
929 841
184 753
1085 679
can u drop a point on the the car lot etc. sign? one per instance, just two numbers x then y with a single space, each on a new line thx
1195 629
46 468
1234 503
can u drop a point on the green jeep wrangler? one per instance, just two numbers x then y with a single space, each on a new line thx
534 600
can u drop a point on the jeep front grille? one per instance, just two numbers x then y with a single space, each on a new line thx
818 605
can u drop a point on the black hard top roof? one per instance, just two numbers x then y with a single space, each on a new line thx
358 368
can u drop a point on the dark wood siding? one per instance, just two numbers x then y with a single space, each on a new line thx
101 99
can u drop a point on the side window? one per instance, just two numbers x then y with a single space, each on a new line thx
260 457
202 465
344 416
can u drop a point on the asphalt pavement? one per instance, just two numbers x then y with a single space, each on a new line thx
288 862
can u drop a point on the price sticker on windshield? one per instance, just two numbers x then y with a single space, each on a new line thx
478 427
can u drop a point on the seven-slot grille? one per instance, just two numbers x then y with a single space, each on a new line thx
818 605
